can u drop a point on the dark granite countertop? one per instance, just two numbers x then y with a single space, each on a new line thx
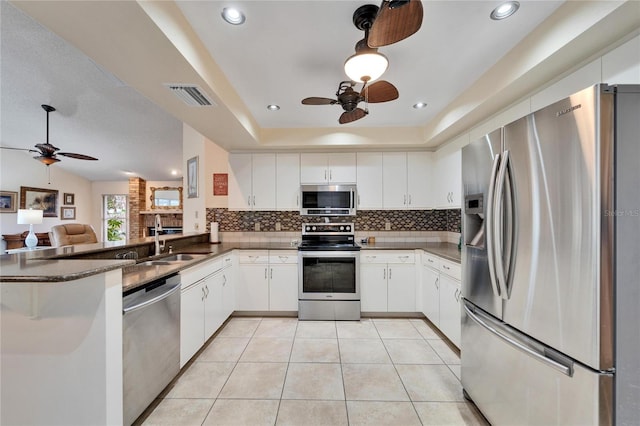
52 265
447 251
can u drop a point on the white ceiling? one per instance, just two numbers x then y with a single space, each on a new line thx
464 65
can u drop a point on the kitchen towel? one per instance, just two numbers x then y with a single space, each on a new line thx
214 237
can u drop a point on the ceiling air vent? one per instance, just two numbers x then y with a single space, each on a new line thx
190 94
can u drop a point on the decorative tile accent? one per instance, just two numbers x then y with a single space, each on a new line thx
365 220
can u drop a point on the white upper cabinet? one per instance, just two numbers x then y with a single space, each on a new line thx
419 176
288 181
394 180
447 180
406 178
622 65
321 168
369 178
252 181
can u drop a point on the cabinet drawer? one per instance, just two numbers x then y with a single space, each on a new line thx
254 256
374 256
283 256
431 261
452 269
196 273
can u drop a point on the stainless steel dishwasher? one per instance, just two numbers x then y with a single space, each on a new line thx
151 343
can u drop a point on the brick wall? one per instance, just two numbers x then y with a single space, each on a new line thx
137 203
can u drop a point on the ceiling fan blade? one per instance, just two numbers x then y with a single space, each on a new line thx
76 156
380 91
348 117
19 149
318 101
396 20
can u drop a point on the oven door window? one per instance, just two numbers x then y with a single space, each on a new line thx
329 275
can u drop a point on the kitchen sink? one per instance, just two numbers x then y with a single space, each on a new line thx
181 257
156 263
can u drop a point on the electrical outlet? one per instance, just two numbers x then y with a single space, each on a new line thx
387 226
278 226
256 227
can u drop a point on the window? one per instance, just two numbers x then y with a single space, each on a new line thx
114 217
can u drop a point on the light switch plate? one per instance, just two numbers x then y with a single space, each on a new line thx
387 226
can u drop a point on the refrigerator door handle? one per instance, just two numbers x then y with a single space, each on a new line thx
539 355
510 228
498 226
488 223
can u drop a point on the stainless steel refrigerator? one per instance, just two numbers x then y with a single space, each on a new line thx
551 264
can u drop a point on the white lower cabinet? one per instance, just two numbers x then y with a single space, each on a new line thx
450 308
206 301
267 280
387 281
441 295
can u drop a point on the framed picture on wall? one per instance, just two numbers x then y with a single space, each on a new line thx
192 177
40 199
8 202
69 199
67 213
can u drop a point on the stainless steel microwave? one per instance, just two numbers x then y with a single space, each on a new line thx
328 200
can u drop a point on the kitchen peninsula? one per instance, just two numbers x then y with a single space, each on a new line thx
61 320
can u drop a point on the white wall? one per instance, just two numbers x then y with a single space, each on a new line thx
20 169
217 161
194 212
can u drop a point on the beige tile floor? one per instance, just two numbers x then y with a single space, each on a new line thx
279 371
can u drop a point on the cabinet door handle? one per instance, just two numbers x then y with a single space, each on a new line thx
224 283
254 200
330 175
389 273
265 273
325 174
202 298
429 260
405 200
271 274
446 267
409 199
384 274
436 283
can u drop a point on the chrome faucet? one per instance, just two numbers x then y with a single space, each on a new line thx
156 235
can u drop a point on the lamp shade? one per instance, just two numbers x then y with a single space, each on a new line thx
29 217
366 66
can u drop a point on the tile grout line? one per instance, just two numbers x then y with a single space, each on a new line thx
344 389
275 421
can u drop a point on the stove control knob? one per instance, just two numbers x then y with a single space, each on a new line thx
348 228
308 228
313 228
342 228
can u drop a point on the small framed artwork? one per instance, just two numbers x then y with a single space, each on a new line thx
67 213
192 177
69 199
40 199
8 202
220 184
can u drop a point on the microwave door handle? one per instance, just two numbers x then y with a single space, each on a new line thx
353 198
488 223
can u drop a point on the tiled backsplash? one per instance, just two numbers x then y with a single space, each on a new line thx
365 220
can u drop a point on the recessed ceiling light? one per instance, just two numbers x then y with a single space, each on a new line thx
273 107
504 10
233 16
420 105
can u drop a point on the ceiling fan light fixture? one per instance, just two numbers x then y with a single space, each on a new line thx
504 10
366 67
47 160
233 16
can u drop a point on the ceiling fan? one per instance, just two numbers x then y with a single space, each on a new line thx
49 152
395 21
348 99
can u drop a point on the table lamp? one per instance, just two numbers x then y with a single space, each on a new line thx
30 217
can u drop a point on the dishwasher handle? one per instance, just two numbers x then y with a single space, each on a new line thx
152 297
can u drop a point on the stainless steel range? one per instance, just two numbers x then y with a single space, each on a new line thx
329 272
